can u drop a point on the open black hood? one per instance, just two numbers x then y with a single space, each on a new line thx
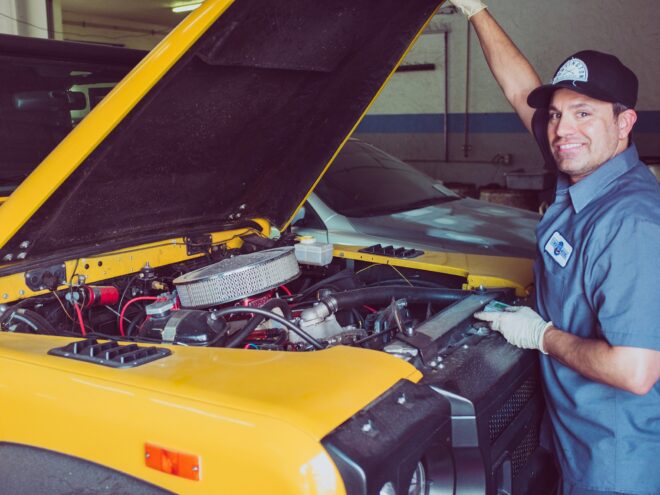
241 126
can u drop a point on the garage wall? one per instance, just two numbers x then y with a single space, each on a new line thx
407 118
30 18
111 31
24 17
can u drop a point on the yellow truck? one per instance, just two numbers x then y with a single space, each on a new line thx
156 337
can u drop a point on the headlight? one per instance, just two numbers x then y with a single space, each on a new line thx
383 449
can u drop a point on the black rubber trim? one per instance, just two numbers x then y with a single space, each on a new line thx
386 441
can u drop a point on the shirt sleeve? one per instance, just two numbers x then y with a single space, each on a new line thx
624 284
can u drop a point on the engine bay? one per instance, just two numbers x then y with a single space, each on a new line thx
259 300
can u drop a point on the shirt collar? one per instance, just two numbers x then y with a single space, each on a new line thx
593 186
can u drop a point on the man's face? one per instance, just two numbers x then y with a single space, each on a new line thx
583 133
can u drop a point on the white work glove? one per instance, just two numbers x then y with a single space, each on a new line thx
520 326
469 7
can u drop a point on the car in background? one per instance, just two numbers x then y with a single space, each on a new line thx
369 197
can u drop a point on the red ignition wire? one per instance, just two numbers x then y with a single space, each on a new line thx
80 319
286 290
123 310
370 309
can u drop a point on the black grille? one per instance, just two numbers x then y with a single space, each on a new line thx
499 421
110 353
525 449
391 251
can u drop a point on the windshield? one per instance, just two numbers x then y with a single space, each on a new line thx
366 181
41 101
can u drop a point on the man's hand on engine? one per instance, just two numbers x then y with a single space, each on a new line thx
469 7
520 326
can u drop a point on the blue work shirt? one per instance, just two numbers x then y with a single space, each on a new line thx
597 276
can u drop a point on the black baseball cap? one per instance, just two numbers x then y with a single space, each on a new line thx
591 73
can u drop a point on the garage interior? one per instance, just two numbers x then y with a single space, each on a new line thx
135 229
442 111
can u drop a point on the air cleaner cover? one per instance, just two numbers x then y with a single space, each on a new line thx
238 277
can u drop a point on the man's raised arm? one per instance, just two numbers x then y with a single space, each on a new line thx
511 69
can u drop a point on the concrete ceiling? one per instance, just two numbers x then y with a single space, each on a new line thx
158 12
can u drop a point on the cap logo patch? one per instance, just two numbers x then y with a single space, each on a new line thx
572 70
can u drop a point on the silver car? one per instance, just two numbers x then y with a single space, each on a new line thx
369 197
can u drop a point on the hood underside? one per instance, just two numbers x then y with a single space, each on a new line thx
241 126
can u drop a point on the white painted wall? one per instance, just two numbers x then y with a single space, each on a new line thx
549 31
24 17
108 30
417 92
546 31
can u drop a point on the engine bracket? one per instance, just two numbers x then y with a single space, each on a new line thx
46 278
198 243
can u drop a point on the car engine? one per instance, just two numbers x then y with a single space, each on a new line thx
262 300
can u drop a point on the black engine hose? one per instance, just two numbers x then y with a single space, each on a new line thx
383 295
281 304
24 302
275 317
345 273
249 327
33 320
135 321
259 241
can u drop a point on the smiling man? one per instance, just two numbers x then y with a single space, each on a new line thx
597 267
589 113
581 132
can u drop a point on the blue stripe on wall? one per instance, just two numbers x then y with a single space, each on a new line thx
505 122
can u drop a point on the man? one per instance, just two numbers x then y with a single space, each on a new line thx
597 267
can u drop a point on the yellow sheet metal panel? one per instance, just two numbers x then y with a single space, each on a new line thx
109 423
87 135
489 271
214 403
312 391
125 261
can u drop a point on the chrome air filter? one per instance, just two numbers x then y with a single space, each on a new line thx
238 277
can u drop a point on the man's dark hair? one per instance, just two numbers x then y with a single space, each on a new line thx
618 109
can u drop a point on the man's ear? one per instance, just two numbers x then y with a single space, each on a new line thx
625 121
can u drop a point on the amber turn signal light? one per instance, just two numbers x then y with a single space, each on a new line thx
172 462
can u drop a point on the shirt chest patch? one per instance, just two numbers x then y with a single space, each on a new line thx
559 249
